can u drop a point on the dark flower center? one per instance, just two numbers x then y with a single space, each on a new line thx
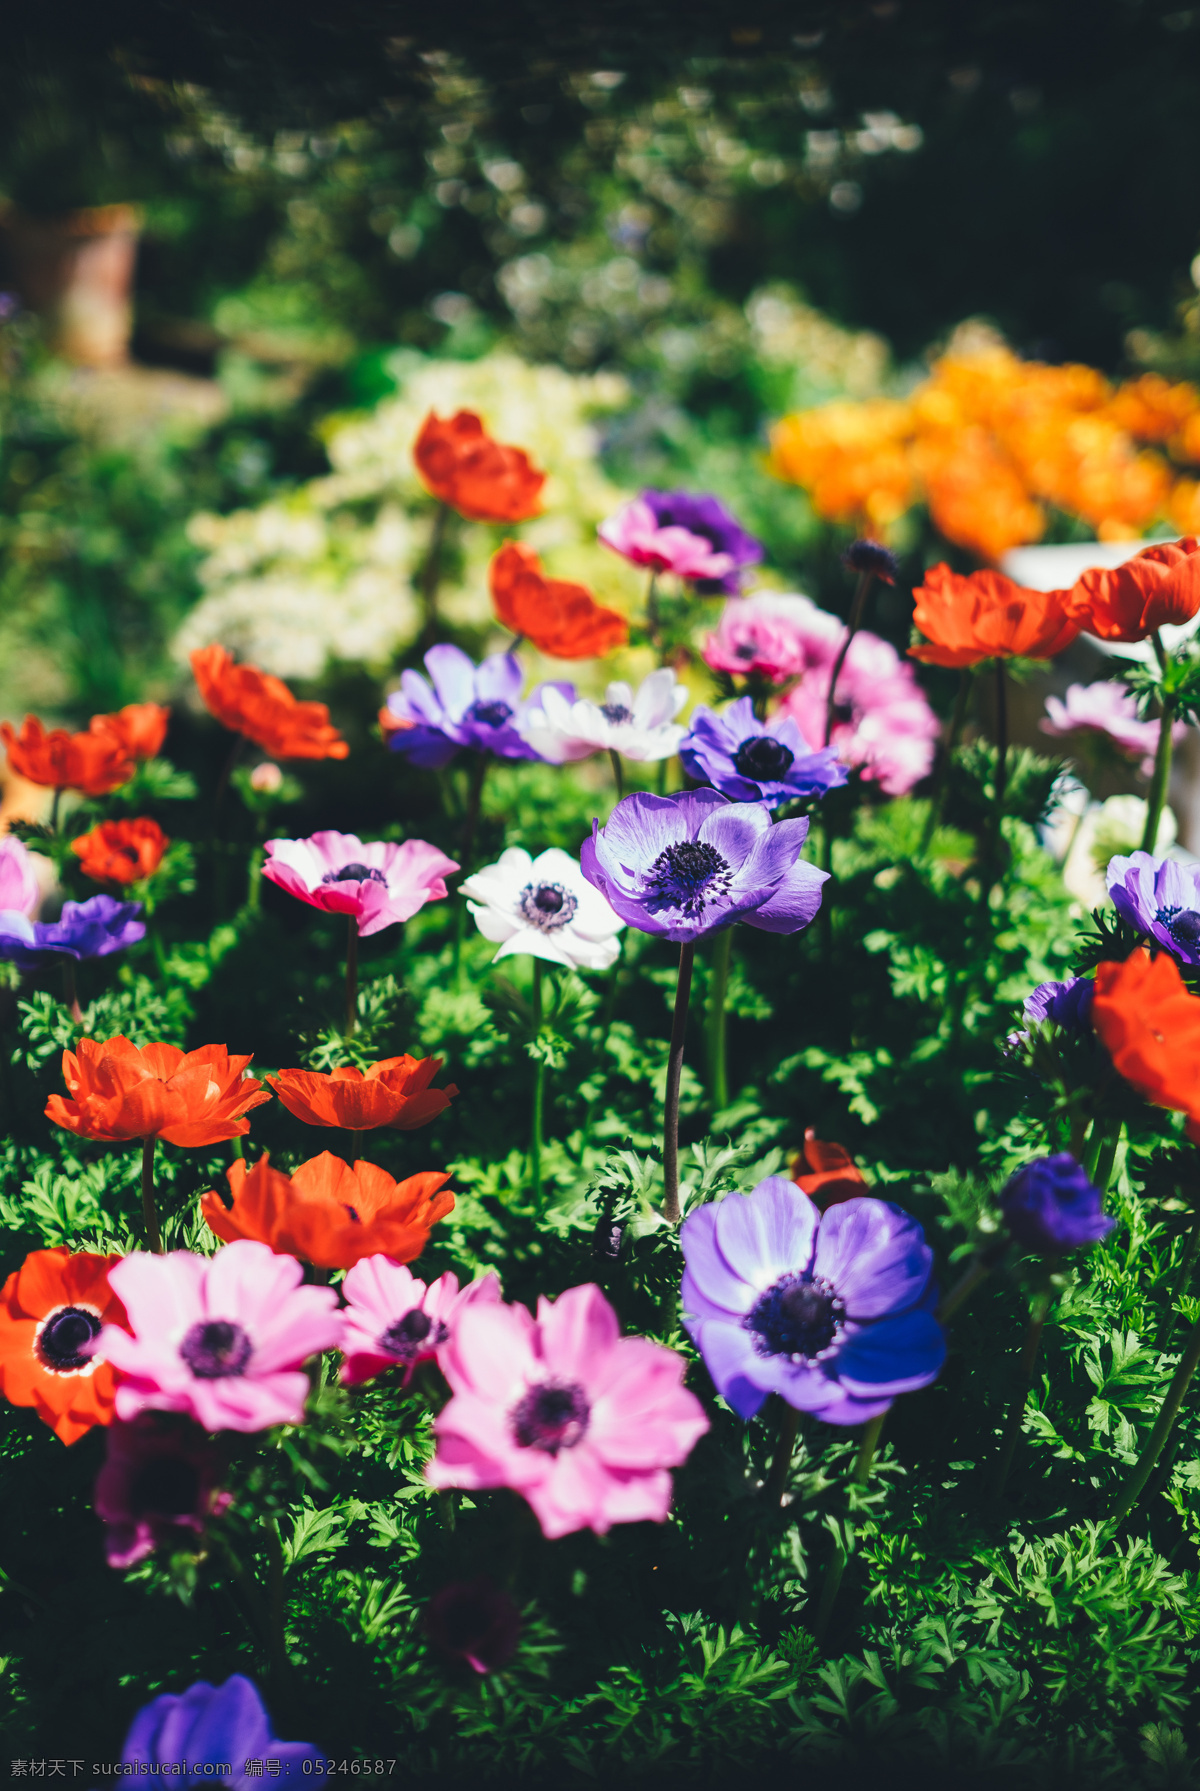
686 876
492 715
551 1417
66 1339
745 650
355 873
547 906
214 1348
1183 924
799 1316
404 1338
616 712
762 758
843 712
167 1484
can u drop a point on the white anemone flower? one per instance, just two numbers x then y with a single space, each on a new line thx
639 727
543 907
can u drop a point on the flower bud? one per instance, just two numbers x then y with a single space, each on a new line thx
1051 1206
267 778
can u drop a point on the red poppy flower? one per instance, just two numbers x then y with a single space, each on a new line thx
460 463
329 1213
140 727
51 1312
394 1092
1158 586
119 1092
987 616
121 851
1150 1027
834 1177
559 618
93 764
262 708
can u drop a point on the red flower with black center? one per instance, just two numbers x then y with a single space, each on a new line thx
121 851
51 1312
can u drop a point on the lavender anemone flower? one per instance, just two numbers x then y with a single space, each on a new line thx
1051 1206
90 929
686 866
833 1311
1160 897
757 761
702 514
208 1729
1068 1004
464 705
157 1487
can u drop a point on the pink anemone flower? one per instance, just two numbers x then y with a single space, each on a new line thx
582 1422
1110 709
222 1338
881 721
775 635
377 882
637 535
19 889
395 1321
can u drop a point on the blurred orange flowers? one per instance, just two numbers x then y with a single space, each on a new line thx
1150 1026
460 463
51 1312
121 851
262 708
92 763
118 1091
834 1177
328 1213
394 1092
140 727
987 616
1160 585
559 618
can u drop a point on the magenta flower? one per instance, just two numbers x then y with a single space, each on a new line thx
582 1422
474 1622
20 892
222 1338
157 1487
636 533
774 635
882 722
395 1321
378 882
1109 709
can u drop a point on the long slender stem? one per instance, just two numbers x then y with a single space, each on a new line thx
1016 1410
718 1077
56 799
227 770
539 1088
652 621
1162 762
781 1461
431 572
1144 1466
617 770
1001 746
1186 1264
683 989
351 975
71 992
958 717
474 801
831 1584
856 615
149 1205
977 1270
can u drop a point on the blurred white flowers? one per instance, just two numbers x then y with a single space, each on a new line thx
641 727
543 907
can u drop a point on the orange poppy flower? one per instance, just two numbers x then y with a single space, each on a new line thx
1160 585
262 708
835 1176
328 1213
394 1092
51 1311
559 618
1150 1027
93 764
121 851
460 463
119 1092
140 727
987 616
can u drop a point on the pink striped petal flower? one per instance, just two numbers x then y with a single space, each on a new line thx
395 1321
377 881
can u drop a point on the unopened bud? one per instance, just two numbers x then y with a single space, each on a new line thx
266 777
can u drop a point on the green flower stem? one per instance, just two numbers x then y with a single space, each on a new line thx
781 1461
977 1270
254 880
539 1088
1029 1355
149 1206
1144 1466
831 1584
71 992
617 770
351 975
865 580
958 717
1186 1265
1100 1152
474 802
431 572
718 1077
56 799
652 618
683 989
1162 761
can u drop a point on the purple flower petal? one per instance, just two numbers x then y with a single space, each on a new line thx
794 903
875 1255
711 1273
767 1234
894 1355
453 676
741 1377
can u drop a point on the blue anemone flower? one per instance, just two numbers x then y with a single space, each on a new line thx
1161 897
461 704
1051 1205
750 760
209 1726
90 929
1068 1004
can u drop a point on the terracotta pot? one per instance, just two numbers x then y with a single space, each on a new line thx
76 270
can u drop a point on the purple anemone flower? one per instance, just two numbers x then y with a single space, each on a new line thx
476 1622
464 705
833 1310
865 555
1051 1206
685 866
157 1487
1161 897
1068 1004
90 929
702 514
757 761
211 1726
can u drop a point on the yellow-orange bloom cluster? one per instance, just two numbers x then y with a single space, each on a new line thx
991 443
